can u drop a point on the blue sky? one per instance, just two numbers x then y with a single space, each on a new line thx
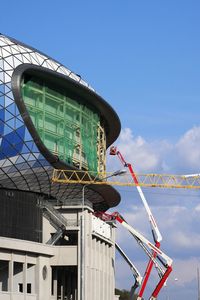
143 58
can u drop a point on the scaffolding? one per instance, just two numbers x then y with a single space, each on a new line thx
67 125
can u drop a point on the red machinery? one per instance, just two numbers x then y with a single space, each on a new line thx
155 254
155 231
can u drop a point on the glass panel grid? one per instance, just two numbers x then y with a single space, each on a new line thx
36 176
68 128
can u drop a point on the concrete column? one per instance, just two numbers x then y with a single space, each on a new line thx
103 270
25 277
79 261
88 257
10 279
98 270
107 272
43 282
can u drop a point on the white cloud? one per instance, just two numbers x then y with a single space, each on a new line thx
184 274
197 208
138 151
177 217
179 226
185 270
188 147
160 155
185 241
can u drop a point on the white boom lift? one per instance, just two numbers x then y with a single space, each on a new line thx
154 228
136 273
157 256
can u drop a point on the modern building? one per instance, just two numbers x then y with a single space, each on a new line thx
51 244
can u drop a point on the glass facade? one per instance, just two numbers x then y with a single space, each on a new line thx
67 127
70 129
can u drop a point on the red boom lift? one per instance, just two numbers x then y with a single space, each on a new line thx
157 256
155 231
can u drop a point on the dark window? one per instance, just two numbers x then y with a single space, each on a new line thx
29 288
20 287
4 267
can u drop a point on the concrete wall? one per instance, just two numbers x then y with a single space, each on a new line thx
99 259
92 258
25 266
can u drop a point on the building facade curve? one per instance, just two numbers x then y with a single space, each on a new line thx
51 118
53 247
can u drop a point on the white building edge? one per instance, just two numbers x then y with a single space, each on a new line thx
76 271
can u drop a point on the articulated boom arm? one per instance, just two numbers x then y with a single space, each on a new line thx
116 216
156 233
136 273
156 255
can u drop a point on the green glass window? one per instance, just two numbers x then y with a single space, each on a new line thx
67 127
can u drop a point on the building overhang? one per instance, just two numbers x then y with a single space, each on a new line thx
112 124
83 93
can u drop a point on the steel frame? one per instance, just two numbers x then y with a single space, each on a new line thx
145 180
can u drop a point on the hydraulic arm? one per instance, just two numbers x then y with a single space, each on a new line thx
155 231
162 262
154 228
136 274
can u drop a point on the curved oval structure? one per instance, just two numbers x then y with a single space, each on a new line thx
51 118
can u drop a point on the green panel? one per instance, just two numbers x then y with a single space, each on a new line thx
66 127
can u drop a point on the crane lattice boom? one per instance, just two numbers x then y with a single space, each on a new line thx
145 180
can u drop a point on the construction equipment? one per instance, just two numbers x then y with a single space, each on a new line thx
150 180
136 273
154 228
149 248
155 231
139 180
166 181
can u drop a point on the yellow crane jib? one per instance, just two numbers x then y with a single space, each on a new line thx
145 180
